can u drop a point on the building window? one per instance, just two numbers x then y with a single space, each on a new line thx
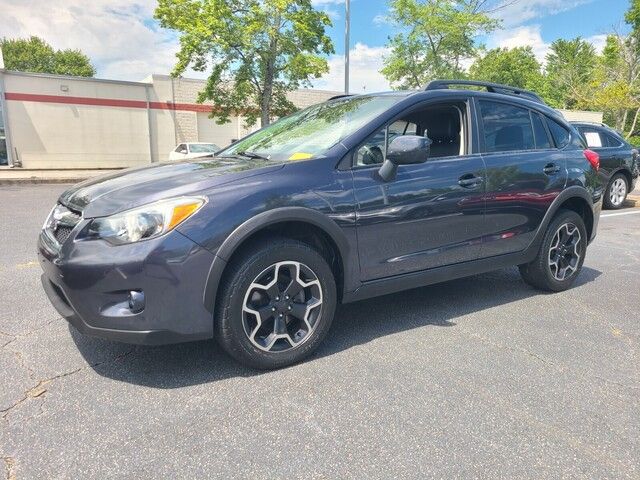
4 157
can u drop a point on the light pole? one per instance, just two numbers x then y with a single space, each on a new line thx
347 26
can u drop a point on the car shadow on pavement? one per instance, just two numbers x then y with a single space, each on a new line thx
176 366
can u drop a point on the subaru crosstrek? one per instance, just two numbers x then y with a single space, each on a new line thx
356 197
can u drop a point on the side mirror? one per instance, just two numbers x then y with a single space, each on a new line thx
404 150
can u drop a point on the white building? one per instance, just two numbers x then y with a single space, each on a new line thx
57 122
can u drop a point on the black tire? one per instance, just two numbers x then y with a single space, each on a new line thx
539 273
615 200
231 319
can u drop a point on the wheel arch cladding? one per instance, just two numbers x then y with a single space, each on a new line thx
582 208
299 223
574 198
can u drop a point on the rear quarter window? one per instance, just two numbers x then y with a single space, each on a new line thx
560 134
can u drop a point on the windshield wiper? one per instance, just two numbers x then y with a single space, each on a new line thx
249 154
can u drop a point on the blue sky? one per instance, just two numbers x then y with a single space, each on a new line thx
557 19
125 42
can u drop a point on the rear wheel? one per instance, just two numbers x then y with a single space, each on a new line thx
616 192
276 304
561 254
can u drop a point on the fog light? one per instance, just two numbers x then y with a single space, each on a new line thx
136 301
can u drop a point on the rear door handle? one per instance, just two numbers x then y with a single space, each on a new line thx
469 180
551 169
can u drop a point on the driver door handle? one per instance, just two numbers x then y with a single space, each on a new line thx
551 169
469 180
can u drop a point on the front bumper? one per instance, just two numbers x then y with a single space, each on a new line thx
88 282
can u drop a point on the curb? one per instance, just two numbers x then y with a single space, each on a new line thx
36 180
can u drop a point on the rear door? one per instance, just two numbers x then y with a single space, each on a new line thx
525 173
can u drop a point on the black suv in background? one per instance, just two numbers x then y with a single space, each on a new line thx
356 197
618 161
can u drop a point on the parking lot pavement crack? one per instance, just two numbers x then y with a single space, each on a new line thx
6 341
42 386
543 360
9 467
14 337
512 349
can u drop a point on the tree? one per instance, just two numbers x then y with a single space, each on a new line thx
570 65
36 55
435 37
258 50
517 66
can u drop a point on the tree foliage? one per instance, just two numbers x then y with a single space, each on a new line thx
256 50
435 37
570 66
35 55
517 66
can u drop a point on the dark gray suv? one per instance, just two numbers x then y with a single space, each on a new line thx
619 165
356 197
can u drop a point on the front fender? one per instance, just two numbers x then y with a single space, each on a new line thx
261 221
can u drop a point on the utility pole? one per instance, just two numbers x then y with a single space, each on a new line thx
347 26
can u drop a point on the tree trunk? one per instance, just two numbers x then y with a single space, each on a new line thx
269 74
633 125
623 125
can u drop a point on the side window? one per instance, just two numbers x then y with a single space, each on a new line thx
540 132
182 148
507 128
401 127
560 134
374 150
611 141
441 123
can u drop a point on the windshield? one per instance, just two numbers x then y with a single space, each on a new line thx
313 131
203 148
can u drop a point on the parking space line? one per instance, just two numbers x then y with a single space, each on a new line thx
635 212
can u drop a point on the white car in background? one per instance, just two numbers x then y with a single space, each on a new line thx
193 150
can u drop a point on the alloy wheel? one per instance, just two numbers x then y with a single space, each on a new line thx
618 191
564 253
282 306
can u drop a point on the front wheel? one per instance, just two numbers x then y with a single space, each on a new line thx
276 304
561 254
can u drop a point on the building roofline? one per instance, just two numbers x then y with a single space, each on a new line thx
75 78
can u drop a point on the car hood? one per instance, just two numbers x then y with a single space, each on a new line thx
113 193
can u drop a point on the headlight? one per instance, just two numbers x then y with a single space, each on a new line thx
143 223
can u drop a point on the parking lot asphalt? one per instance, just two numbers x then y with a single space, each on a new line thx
480 377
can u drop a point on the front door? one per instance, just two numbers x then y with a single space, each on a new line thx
431 213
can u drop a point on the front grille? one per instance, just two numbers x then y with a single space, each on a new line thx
62 233
61 223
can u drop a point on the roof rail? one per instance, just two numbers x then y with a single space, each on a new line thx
343 95
491 87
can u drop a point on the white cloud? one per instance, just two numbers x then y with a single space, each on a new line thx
381 19
530 36
520 11
598 41
365 63
118 35
525 36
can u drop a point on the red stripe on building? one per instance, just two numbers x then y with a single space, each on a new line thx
189 107
107 102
